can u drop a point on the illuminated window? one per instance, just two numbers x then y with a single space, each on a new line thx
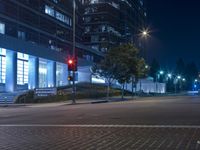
22 68
2 65
42 73
59 74
21 35
2 28
58 15
49 10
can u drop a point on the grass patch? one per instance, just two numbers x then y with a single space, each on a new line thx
83 91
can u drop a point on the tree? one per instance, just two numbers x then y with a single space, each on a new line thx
121 63
180 67
105 69
141 71
154 68
124 58
191 74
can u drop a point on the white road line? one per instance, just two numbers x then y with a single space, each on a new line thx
102 126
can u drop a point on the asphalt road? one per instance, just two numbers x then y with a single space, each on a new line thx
147 123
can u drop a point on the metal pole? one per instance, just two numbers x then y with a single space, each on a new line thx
74 52
145 49
175 85
156 83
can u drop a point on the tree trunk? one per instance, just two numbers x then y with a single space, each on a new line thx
133 85
108 91
132 82
140 85
123 91
135 82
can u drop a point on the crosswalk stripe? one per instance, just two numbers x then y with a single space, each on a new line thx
102 126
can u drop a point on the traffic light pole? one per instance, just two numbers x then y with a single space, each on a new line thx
74 53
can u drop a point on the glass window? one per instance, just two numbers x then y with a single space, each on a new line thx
22 68
2 28
58 15
21 35
2 65
49 10
42 73
59 74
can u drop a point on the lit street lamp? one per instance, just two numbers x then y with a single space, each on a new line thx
179 77
144 35
161 72
169 75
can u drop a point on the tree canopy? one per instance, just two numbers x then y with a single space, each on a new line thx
121 63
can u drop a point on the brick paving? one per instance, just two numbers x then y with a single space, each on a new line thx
98 138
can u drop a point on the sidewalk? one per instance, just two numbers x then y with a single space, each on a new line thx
69 102
84 101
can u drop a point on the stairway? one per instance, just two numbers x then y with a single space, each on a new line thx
8 98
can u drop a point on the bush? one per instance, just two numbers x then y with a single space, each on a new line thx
84 91
27 97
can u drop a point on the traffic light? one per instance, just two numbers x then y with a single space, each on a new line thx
70 78
72 64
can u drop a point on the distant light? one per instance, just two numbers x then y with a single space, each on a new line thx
161 72
169 75
179 77
144 33
146 66
184 79
196 80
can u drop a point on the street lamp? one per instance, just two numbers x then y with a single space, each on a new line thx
169 75
179 77
144 34
161 72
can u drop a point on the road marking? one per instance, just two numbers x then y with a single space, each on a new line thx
103 126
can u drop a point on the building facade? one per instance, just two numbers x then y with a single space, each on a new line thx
36 40
109 23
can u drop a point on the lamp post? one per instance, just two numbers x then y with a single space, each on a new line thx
195 84
145 35
74 53
177 79
169 75
161 72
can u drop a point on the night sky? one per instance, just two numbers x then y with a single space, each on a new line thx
175 30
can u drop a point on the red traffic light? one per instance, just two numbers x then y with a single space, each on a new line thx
72 64
70 61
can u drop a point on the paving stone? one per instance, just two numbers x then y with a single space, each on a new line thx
98 138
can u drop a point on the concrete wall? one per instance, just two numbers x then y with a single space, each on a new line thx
84 74
148 87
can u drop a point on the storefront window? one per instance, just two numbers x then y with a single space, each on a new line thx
22 68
